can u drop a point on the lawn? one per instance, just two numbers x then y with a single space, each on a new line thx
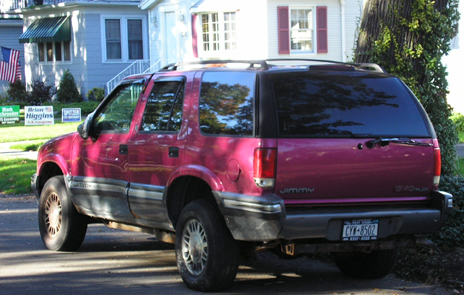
15 175
13 133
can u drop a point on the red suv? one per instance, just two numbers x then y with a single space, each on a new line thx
226 158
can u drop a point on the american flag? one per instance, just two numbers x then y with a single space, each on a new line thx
10 69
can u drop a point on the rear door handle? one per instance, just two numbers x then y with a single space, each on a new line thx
173 152
123 149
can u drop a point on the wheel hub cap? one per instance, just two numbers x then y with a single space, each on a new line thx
194 247
53 214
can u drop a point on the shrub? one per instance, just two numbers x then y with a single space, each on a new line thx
458 120
40 93
17 92
96 94
67 90
452 234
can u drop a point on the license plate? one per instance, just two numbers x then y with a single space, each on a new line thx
360 230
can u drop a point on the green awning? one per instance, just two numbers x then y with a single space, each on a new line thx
54 29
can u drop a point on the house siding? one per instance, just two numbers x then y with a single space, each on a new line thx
87 64
257 32
333 29
10 30
353 14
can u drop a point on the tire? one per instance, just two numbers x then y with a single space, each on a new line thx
61 227
374 265
207 255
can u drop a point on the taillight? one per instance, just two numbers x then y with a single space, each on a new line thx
264 166
437 160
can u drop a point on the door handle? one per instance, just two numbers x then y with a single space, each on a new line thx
123 149
173 152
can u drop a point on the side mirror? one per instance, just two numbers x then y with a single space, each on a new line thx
85 128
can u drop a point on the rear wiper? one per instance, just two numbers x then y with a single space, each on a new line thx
386 141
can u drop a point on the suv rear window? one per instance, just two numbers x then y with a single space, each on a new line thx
334 104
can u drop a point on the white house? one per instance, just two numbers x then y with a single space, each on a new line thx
95 40
182 30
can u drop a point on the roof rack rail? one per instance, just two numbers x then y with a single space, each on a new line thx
264 64
253 64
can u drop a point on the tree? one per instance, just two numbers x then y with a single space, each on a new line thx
408 38
67 90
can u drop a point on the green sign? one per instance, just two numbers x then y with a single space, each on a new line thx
9 115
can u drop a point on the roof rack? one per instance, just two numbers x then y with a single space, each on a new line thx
252 64
264 64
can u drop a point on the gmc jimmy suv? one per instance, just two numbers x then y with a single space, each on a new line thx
227 158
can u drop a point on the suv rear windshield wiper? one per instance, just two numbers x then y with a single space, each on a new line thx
386 141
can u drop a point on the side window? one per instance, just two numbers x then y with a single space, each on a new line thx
163 111
227 103
116 115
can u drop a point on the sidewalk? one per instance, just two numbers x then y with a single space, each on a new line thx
460 150
6 151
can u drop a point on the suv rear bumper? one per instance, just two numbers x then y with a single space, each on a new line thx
265 218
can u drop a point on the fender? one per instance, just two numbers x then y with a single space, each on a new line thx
56 151
200 172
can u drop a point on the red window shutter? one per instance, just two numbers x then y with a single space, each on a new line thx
322 40
194 36
284 30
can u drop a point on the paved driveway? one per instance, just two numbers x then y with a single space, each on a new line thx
116 262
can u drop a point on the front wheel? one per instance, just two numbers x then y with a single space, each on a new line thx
61 227
374 265
207 255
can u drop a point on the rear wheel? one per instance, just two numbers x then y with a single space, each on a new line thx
374 265
207 255
61 227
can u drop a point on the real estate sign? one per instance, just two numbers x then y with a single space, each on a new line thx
39 115
71 115
9 115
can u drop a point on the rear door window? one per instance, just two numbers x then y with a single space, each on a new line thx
331 104
227 103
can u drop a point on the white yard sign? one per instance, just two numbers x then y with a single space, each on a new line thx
36 115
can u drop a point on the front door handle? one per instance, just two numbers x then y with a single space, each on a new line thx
123 149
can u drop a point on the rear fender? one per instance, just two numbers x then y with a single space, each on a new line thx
200 172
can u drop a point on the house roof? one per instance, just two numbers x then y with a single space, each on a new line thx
215 5
54 29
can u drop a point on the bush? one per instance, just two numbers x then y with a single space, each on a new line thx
96 94
67 90
17 92
458 120
452 234
40 93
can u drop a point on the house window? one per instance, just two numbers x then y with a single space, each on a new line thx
299 33
218 32
124 39
54 51
301 30
134 32
113 38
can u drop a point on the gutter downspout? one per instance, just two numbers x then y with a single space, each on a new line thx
342 12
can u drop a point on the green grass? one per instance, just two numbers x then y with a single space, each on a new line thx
15 175
460 166
13 133
29 146
461 137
